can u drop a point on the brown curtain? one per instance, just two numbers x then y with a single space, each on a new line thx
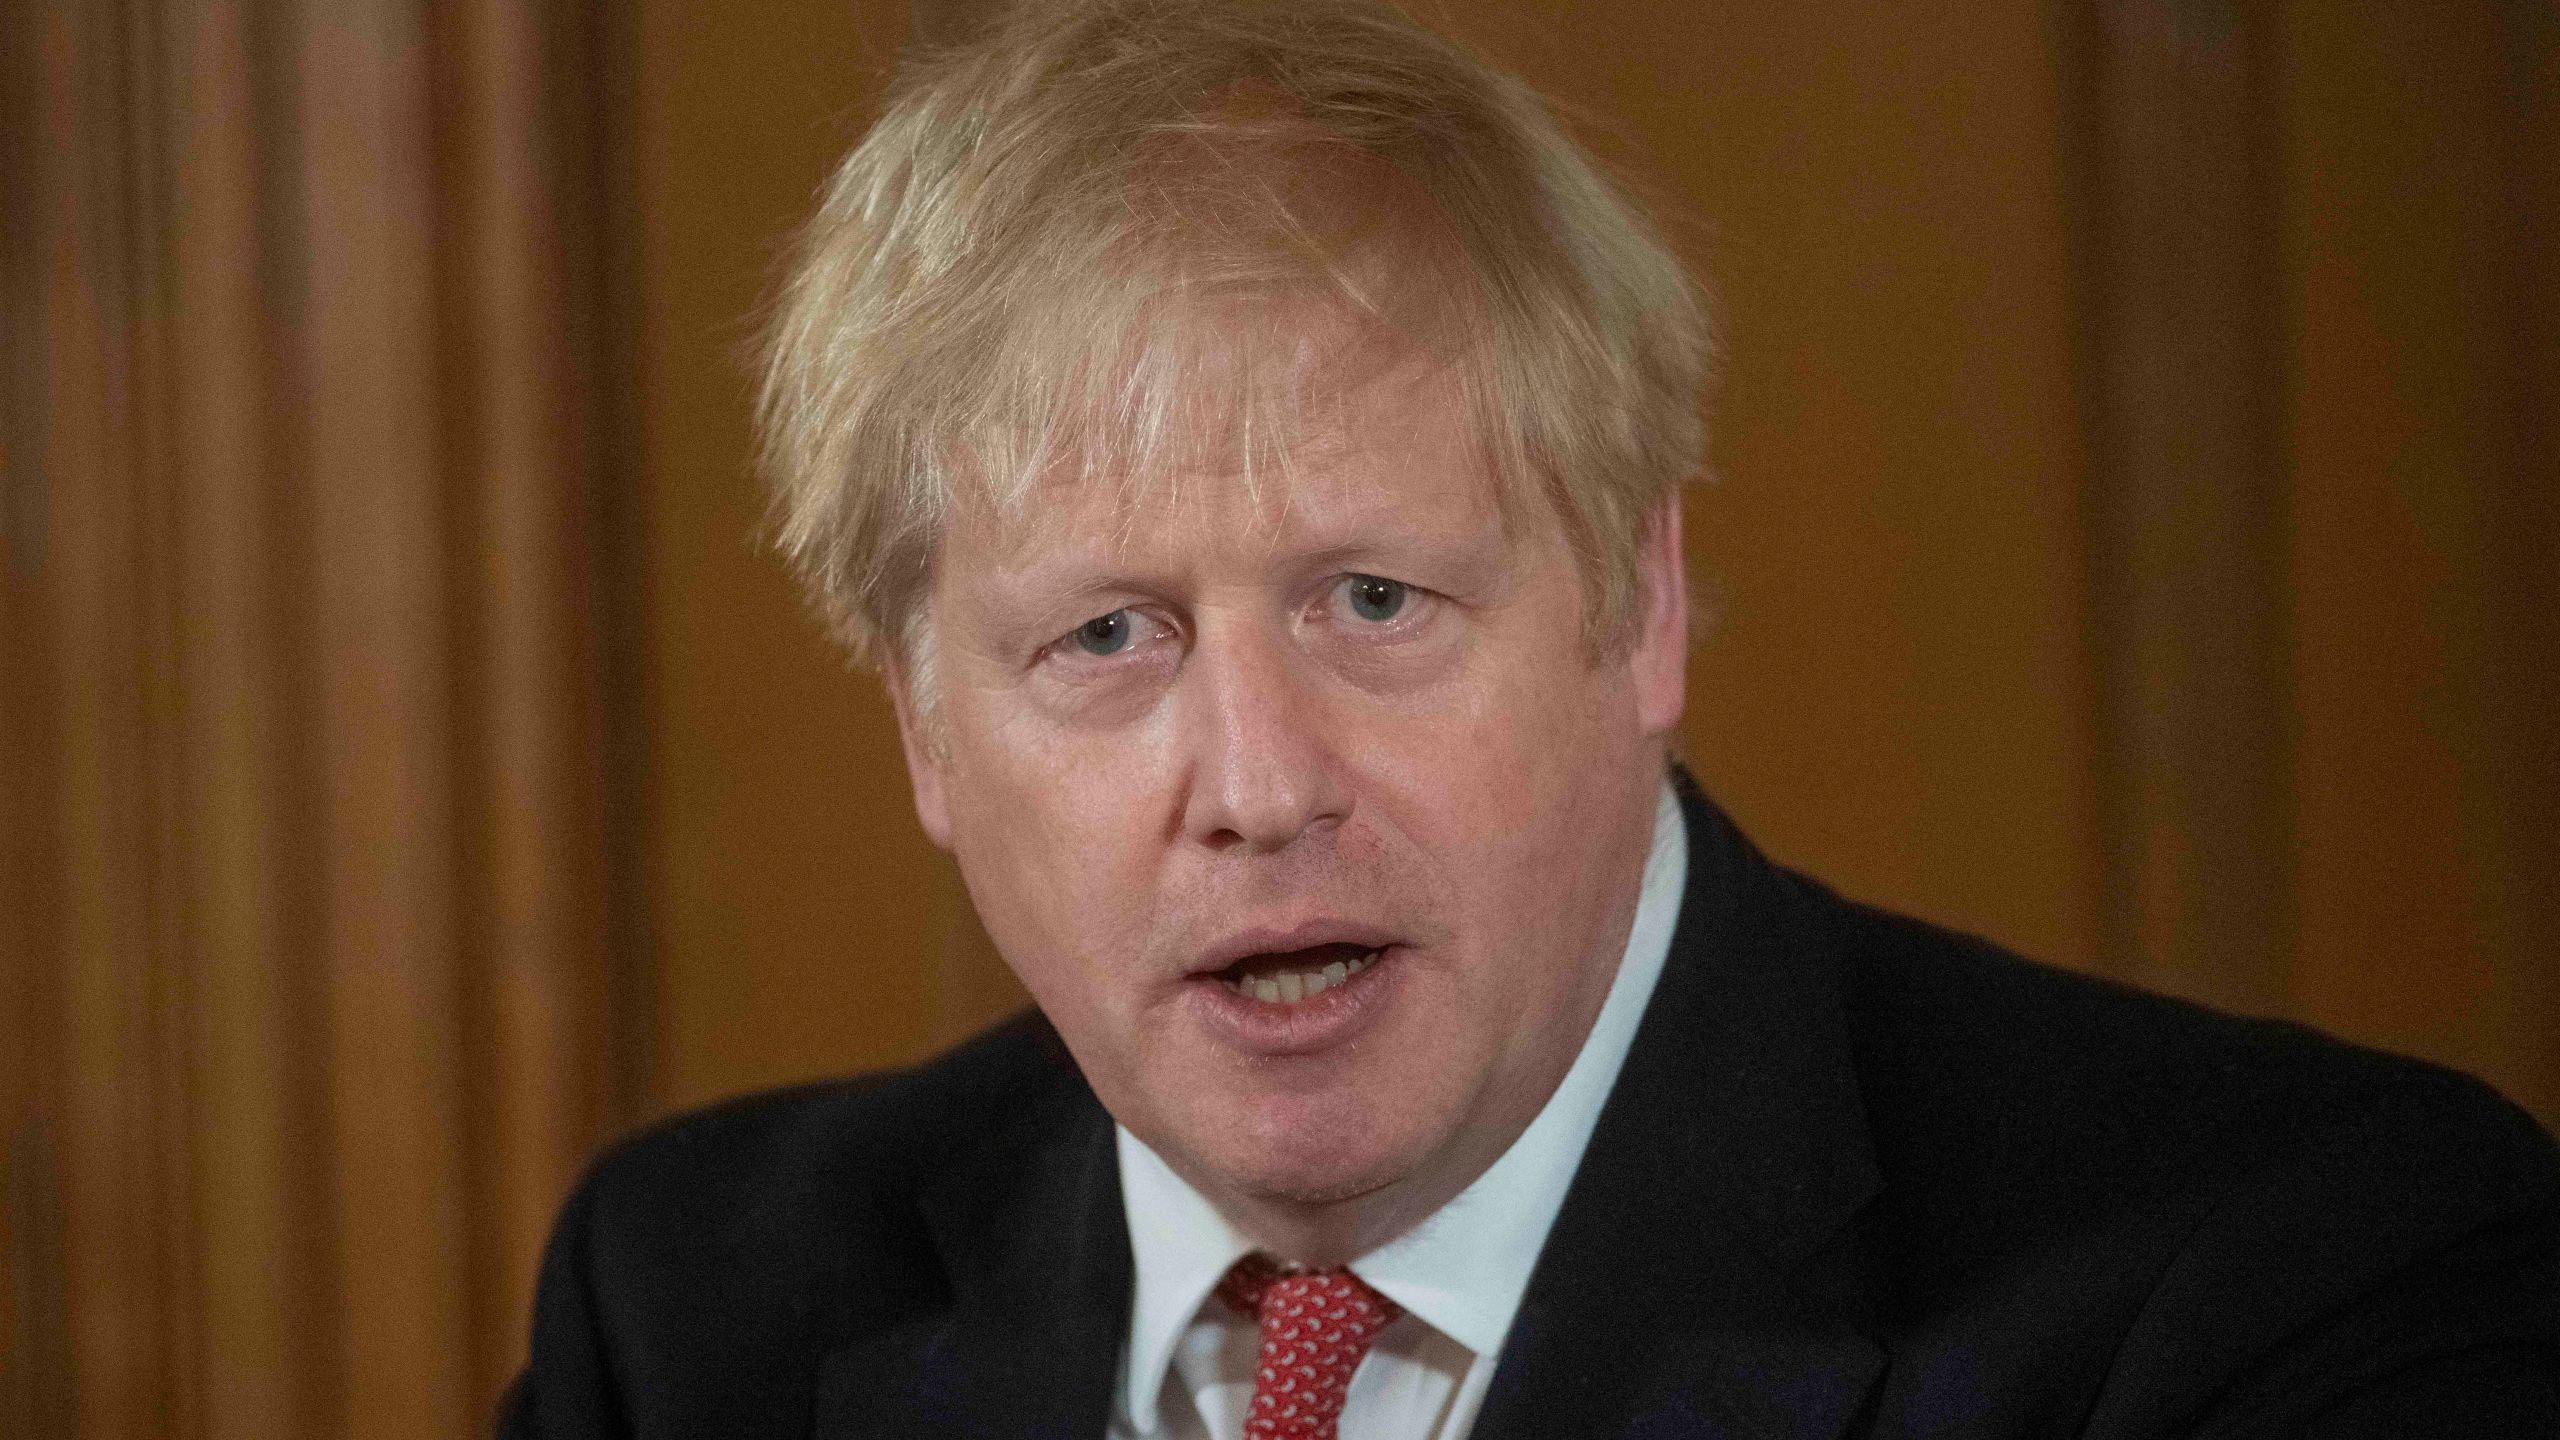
304 898
2321 245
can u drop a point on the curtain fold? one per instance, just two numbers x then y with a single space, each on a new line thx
309 999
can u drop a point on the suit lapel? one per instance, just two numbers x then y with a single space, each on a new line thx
1702 1277
1030 1234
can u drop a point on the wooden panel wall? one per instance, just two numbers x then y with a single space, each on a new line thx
2419 215
2185 499
801 925
1893 687
2321 387
2321 384
305 884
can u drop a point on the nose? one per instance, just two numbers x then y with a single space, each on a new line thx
1265 755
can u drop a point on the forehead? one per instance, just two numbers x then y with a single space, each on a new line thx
1366 446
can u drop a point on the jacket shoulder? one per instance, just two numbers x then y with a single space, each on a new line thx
873 1136
1962 1043
2201 1213
704 1263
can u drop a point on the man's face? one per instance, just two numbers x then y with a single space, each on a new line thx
1307 818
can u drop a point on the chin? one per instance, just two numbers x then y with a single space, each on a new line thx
1320 1180
1300 1158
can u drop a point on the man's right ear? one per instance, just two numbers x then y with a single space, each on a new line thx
924 761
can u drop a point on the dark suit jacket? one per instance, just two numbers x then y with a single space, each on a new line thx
1859 1176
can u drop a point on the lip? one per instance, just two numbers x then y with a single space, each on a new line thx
1274 940
1314 1026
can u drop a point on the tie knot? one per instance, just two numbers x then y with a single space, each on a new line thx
1316 1325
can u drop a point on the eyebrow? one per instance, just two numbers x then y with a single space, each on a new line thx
1027 612
1036 584
1045 591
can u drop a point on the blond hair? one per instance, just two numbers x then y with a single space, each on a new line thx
1033 264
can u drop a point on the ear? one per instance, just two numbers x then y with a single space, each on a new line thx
924 763
1661 655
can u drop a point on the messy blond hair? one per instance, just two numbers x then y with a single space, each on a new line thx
1039 260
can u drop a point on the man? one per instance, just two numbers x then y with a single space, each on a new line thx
1249 438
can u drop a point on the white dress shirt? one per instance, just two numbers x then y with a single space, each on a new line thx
1187 1367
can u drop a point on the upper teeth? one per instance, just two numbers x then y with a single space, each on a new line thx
1291 986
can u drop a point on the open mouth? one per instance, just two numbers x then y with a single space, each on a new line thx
1289 976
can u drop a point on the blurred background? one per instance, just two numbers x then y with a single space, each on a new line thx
2135 532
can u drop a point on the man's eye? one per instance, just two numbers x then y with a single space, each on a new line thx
1104 634
1375 598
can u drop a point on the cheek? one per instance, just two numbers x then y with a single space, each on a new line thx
1053 853
1515 795
1519 749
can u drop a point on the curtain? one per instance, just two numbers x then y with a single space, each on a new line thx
305 898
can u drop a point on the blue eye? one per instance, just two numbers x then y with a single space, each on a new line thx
1104 634
1376 598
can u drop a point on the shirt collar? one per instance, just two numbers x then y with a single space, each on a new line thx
1182 1246
1465 1267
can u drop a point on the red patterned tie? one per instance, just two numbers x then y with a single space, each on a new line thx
1316 1324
